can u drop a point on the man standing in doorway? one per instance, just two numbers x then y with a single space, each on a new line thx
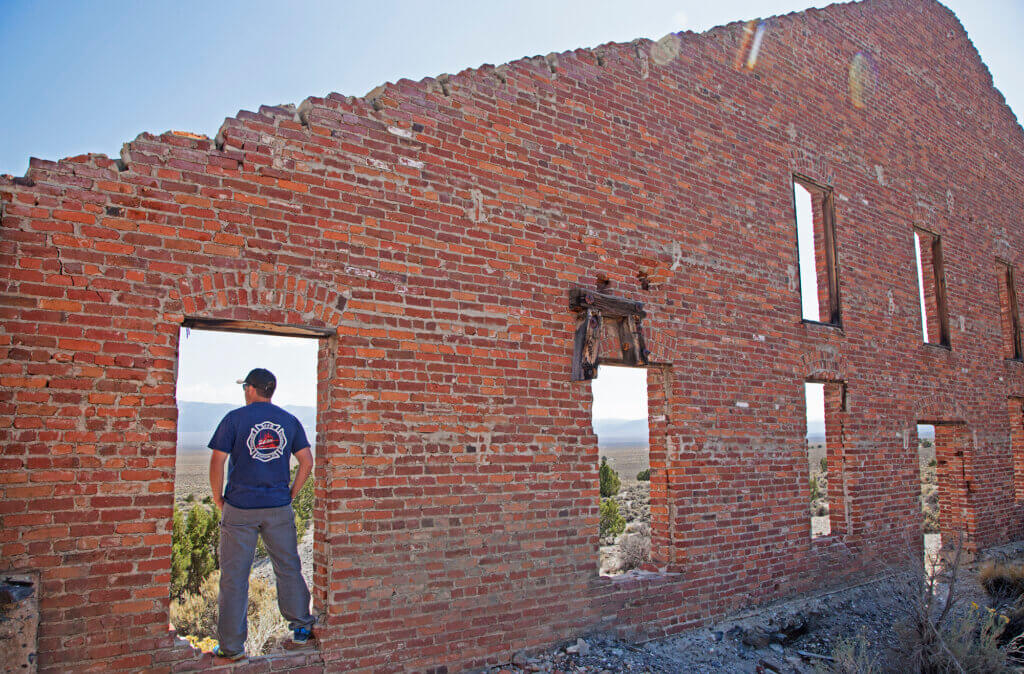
259 439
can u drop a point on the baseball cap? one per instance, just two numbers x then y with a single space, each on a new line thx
262 380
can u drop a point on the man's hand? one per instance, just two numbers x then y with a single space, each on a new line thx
305 459
217 461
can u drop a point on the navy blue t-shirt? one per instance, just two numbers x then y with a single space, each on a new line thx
260 437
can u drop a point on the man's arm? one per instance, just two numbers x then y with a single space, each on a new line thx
305 459
217 460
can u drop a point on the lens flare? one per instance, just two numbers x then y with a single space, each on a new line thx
863 79
756 47
753 34
748 37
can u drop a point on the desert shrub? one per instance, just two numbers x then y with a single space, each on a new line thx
974 642
815 489
644 475
195 615
926 443
612 523
930 508
933 463
931 639
634 552
851 656
190 498
610 482
265 620
824 464
194 542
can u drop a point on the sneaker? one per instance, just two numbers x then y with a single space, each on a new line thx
302 636
218 652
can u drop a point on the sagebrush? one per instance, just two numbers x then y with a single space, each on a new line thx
937 635
194 616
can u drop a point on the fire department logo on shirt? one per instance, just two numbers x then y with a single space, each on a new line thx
266 441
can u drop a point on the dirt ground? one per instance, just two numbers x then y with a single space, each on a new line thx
627 460
793 637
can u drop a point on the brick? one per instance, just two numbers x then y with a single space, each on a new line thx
439 236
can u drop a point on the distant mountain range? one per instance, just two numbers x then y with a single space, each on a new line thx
621 431
197 422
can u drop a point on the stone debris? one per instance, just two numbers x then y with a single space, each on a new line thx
791 637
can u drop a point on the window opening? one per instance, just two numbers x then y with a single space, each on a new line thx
1009 315
209 365
824 407
816 251
931 287
621 423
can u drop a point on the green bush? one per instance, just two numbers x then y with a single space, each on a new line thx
194 542
612 523
644 475
815 489
610 482
303 506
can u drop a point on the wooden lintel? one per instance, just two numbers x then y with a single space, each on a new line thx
607 305
256 327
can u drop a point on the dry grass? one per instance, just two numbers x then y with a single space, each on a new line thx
1002 581
195 615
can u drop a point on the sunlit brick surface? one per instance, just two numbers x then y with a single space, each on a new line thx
438 227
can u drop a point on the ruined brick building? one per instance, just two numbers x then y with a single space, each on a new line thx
431 235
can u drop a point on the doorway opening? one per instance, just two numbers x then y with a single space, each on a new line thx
210 363
929 471
948 523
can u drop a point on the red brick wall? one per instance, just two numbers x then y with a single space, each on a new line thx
438 227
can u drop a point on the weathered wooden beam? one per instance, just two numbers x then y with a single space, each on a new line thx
615 319
608 306
255 327
585 347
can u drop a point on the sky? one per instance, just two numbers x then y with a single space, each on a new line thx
620 393
88 76
83 77
210 363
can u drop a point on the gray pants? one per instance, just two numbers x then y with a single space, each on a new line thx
239 528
